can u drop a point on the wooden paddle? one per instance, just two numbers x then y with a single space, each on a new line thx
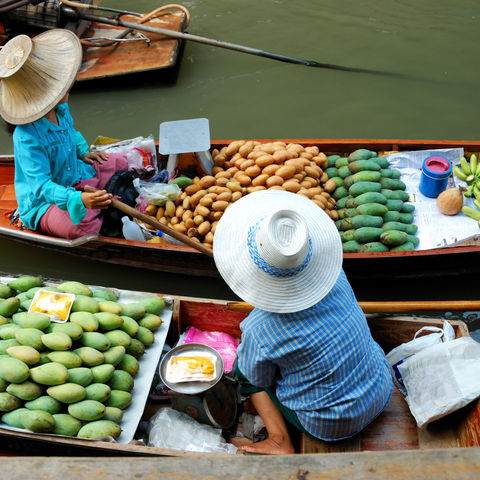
391 307
78 14
133 212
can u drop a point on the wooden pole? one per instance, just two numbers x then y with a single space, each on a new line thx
392 307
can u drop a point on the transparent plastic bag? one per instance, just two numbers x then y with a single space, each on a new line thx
155 193
140 151
169 428
399 354
441 379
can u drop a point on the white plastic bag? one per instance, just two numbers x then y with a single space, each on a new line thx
169 428
156 193
441 379
398 355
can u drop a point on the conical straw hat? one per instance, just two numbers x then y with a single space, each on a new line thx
37 73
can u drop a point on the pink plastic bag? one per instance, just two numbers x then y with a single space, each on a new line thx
222 342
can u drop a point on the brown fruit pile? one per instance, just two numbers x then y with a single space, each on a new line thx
244 167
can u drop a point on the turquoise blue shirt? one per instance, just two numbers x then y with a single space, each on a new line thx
47 164
323 361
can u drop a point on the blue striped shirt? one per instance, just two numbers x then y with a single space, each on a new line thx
47 164
323 361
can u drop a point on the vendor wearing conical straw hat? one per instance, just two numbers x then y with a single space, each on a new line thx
306 355
52 161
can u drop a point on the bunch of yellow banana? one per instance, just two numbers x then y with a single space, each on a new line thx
469 171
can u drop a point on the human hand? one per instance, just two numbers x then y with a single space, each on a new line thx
99 157
98 199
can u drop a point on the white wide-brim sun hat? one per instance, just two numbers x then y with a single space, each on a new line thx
36 73
278 251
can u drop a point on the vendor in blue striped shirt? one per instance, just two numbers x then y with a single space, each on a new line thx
306 353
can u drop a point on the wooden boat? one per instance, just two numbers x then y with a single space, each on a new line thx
109 51
394 431
435 267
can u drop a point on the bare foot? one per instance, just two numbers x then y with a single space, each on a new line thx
240 441
271 446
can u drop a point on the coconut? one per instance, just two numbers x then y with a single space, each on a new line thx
450 201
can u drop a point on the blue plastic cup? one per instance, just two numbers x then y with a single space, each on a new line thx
435 173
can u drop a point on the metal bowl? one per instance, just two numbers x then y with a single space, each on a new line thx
193 387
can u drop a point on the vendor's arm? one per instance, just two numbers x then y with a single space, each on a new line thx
254 363
33 166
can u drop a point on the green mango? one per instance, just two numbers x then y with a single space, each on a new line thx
102 373
3 385
23 296
83 303
8 331
67 425
51 373
99 429
86 320
14 417
25 304
136 348
43 359
17 317
13 370
45 403
31 337
129 326
98 391
57 341
9 402
25 282
108 320
38 421
110 307
4 320
114 355
76 288
145 336
69 359
95 340
105 294
5 291
134 310
90 356
9 306
150 321
153 304
119 399
4 344
113 414
26 390
67 392
81 376
130 364
87 410
118 337
34 320
26 354
121 380
73 330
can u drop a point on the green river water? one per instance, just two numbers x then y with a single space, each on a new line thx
434 44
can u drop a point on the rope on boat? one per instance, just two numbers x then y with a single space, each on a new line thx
143 19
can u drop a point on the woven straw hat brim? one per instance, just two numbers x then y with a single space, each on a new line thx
263 290
44 78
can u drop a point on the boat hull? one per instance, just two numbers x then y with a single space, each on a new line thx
424 271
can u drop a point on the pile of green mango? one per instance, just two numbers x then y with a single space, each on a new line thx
374 213
74 378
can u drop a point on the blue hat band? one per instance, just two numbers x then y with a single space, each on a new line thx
265 266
